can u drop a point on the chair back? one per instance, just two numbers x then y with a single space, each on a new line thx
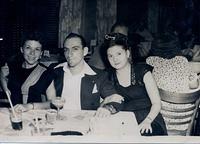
179 111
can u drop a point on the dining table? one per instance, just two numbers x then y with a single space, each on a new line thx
75 126
121 127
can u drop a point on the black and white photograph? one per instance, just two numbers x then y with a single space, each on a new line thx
99 71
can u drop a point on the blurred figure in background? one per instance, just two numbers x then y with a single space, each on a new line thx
141 40
120 27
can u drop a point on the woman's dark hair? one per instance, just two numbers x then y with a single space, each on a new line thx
110 40
166 45
33 35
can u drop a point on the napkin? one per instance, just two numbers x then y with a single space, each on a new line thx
67 133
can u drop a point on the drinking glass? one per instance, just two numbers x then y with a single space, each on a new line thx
16 121
58 102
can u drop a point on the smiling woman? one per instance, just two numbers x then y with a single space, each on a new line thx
32 52
26 80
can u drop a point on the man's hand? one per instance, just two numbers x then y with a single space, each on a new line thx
23 107
113 98
102 112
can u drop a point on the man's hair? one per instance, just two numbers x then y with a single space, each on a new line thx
32 35
75 35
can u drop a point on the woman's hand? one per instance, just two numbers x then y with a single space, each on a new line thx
5 70
145 127
23 107
8 92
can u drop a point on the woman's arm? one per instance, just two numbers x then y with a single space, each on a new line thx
50 92
3 78
154 96
152 90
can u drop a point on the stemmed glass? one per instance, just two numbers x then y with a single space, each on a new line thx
58 102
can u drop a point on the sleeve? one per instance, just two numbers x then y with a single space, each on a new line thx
45 80
114 107
153 60
142 69
106 86
146 69
37 92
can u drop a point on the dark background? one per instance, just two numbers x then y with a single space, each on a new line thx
18 16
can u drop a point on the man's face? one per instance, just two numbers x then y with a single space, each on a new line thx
121 29
73 51
32 51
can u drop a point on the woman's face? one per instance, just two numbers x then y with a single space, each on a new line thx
32 51
118 57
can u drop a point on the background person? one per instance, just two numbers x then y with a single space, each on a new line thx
172 73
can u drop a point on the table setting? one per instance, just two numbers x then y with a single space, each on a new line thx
38 123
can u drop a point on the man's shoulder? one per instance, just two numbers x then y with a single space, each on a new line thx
58 70
100 74
96 70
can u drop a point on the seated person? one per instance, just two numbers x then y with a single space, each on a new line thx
24 78
135 83
172 73
171 69
81 85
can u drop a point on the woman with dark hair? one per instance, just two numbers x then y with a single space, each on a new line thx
171 69
135 83
25 79
174 77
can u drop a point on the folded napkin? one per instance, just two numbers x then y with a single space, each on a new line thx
67 133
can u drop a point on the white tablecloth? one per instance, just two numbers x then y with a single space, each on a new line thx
117 127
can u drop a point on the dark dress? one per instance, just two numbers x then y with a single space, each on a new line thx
137 100
18 75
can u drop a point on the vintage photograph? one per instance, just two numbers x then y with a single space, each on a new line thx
99 71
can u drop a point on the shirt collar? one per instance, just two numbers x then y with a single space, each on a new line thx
86 69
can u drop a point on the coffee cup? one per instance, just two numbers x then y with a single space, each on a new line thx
51 116
16 121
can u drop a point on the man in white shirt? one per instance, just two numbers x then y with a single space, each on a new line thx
81 85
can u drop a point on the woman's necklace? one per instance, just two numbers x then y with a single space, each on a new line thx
26 66
133 81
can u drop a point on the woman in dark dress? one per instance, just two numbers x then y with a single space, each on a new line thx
135 83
